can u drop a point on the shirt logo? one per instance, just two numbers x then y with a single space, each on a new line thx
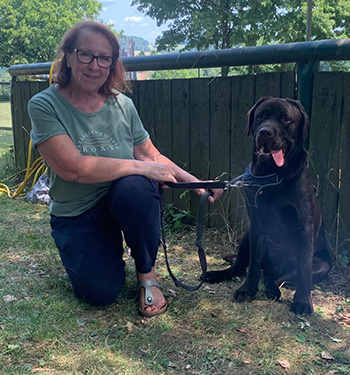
94 142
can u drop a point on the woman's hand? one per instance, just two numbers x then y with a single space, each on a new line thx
217 193
158 167
158 172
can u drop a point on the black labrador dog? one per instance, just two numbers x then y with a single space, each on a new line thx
286 238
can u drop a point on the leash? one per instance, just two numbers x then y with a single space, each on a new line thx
201 252
253 187
236 182
199 224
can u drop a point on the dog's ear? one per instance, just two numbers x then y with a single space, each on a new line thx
250 116
304 125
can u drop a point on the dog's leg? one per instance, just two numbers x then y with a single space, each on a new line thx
272 290
320 270
238 268
323 258
250 287
302 302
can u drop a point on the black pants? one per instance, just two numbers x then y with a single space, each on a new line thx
91 244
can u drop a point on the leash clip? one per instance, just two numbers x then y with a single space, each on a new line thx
236 182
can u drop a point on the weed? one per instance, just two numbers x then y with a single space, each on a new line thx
176 219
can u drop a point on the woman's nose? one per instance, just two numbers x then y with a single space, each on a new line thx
93 64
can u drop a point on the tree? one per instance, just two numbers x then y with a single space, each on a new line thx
4 75
30 30
223 24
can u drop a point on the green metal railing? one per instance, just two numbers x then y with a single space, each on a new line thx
307 55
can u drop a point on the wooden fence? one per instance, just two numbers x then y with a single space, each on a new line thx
200 124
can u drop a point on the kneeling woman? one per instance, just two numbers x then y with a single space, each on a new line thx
105 173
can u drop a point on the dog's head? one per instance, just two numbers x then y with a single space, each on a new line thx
278 128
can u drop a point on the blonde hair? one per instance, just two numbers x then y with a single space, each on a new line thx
116 81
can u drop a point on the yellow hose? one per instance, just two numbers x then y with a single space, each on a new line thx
32 171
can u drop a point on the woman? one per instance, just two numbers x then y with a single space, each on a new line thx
104 170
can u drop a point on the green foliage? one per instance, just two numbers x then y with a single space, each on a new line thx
30 30
172 74
4 89
175 218
4 92
229 23
5 76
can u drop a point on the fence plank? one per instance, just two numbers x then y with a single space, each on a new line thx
36 87
134 93
20 119
199 132
162 119
180 120
15 113
242 99
268 84
219 142
344 203
325 139
288 86
26 126
146 107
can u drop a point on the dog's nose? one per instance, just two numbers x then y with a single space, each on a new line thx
266 132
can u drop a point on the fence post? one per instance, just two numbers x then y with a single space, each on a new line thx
305 81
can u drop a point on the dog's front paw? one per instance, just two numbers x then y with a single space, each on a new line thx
244 294
302 305
213 277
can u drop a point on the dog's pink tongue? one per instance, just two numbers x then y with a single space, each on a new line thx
278 157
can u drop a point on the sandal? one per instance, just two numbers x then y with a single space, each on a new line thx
149 299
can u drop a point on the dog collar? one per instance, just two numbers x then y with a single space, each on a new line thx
254 185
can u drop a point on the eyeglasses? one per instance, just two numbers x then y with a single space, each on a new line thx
85 57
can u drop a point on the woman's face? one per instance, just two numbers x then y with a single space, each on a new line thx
89 77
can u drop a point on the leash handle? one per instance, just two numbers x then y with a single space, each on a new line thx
201 252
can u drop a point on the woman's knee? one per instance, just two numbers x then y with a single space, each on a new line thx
135 187
134 194
98 293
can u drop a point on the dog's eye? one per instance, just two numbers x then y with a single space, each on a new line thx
287 119
260 116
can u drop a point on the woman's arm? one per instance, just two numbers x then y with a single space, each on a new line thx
65 160
147 152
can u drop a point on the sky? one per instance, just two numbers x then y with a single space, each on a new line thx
127 17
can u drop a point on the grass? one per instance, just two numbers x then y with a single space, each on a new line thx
5 114
7 167
5 121
45 330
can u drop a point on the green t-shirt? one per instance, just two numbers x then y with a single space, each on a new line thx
111 132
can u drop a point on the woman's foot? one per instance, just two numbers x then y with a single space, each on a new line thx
151 299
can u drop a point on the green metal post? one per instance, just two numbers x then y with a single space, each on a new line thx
305 81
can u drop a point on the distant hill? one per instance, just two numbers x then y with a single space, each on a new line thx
140 44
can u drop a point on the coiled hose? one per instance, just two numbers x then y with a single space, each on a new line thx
33 171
